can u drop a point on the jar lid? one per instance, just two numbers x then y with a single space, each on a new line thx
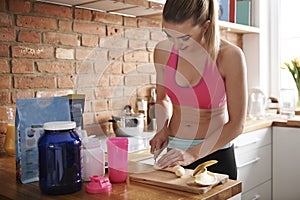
98 185
59 125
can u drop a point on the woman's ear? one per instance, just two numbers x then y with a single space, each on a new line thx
206 25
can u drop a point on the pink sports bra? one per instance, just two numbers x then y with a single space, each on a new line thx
208 93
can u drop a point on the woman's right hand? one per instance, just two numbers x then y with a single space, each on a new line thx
159 142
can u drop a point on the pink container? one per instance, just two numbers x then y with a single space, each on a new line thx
117 156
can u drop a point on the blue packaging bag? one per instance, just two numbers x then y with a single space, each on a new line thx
31 114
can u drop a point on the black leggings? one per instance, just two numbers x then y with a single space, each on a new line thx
226 162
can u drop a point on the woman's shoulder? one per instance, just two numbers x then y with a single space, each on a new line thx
230 57
162 51
229 49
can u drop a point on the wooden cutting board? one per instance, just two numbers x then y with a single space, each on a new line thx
170 180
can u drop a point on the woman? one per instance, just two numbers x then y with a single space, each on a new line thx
205 80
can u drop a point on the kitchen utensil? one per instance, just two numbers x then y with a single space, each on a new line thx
129 125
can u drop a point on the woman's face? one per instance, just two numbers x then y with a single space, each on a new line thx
184 35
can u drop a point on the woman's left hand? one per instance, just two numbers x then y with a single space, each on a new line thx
175 157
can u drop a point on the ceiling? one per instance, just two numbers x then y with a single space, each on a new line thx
131 8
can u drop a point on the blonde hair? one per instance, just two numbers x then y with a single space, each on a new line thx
178 11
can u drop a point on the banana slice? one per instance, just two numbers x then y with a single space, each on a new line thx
200 168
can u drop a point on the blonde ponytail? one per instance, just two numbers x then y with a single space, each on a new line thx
212 35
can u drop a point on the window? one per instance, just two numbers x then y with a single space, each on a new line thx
288 38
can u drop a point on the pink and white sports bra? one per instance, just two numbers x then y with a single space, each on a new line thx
208 93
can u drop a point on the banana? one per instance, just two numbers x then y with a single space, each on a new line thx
202 167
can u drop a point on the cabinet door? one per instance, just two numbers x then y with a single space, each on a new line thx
286 163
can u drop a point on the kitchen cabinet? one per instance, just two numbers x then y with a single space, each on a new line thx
253 157
286 163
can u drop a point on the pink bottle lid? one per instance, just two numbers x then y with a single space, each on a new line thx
98 184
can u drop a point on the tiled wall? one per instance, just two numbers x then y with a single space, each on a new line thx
53 50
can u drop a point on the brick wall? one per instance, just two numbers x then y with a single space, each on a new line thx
53 50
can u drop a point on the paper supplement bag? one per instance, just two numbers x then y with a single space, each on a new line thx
31 114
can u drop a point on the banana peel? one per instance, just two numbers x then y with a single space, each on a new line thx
202 176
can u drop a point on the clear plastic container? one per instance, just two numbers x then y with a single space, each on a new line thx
93 159
60 158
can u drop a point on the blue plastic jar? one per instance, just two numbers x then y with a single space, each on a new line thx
59 158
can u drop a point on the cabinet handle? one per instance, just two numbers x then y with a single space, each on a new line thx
247 143
249 163
257 196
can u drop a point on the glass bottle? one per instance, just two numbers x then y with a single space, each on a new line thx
10 143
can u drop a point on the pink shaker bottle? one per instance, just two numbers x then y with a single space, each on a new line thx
117 155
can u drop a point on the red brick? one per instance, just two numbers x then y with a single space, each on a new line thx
113 68
137 44
64 53
5 82
4 66
107 18
65 26
29 36
66 81
37 22
103 80
7 34
5 20
129 67
3 5
136 56
148 23
55 67
157 35
108 92
3 115
33 82
137 33
90 40
90 28
87 80
113 30
114 42
101 65
130 21
22 66
19 6
53 10
4 97
83 14
100 105
61 39
116 54
21 94
118 104
84 67
4 50
116 80
91 54
138 79
32 51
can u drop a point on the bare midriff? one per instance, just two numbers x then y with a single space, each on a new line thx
194 123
